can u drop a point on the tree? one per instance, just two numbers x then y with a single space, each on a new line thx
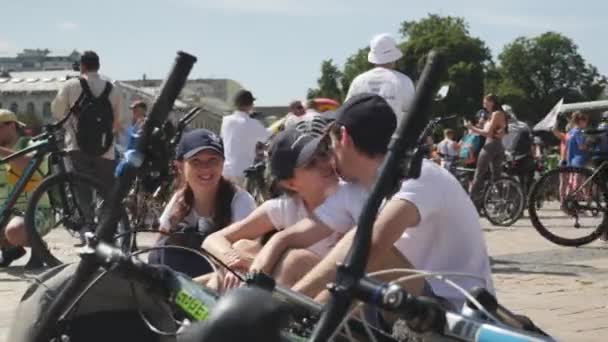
466 58
329 82
534 73
355 65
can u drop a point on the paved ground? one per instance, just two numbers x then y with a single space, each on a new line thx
562 289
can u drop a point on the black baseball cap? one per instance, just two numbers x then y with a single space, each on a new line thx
243 98
290 149
369 120
198 140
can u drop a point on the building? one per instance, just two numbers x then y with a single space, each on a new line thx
214 96
39 59
30 93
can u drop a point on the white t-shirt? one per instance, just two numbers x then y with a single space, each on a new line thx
428 246
242 205
449 152
396 88
291 119
240 134
341 211
449 236
286 211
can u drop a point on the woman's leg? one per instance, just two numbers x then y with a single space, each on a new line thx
213 280
481 172
294 264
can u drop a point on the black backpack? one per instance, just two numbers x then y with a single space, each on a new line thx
95 121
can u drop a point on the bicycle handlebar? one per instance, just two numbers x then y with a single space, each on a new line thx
183 122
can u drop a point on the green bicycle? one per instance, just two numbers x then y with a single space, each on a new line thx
54 203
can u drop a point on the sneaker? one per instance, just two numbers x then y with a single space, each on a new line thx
10 254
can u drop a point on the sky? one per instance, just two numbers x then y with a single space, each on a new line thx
273 47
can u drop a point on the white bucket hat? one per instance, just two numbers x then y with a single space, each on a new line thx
383 49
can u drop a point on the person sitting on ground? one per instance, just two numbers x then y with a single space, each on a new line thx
427 229
204 202
14 236
308 178
448 149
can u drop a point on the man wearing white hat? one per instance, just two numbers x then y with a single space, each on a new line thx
396 88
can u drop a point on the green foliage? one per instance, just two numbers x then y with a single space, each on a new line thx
329 82
539 71
531 75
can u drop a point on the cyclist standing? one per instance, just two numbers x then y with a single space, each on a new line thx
241 134
396 88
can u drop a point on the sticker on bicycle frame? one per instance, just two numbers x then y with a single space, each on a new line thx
192 306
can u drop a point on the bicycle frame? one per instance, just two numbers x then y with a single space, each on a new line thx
32 166
595 174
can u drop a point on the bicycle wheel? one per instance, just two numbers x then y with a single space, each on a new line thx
503 201
567 206
55 204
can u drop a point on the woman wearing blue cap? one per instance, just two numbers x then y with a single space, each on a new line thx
205 201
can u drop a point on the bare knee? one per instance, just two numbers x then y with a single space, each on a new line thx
294 264
15 232
247 246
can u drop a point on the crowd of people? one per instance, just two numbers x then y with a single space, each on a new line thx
325 158
325 163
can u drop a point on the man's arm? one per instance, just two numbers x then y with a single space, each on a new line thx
117 107
61 103
253 226
388 228
301 235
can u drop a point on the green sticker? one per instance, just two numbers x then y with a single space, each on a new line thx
192 306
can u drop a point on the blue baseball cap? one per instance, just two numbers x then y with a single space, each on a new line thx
198 140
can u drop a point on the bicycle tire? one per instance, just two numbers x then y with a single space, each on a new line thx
534 204
513 215
37 242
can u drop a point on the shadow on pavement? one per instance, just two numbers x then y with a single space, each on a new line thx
565 270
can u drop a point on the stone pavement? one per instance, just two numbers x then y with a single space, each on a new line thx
561 288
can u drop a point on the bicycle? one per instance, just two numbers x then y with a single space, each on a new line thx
152 190
502 201
576 194
195 302
570 193
54 202
257 181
